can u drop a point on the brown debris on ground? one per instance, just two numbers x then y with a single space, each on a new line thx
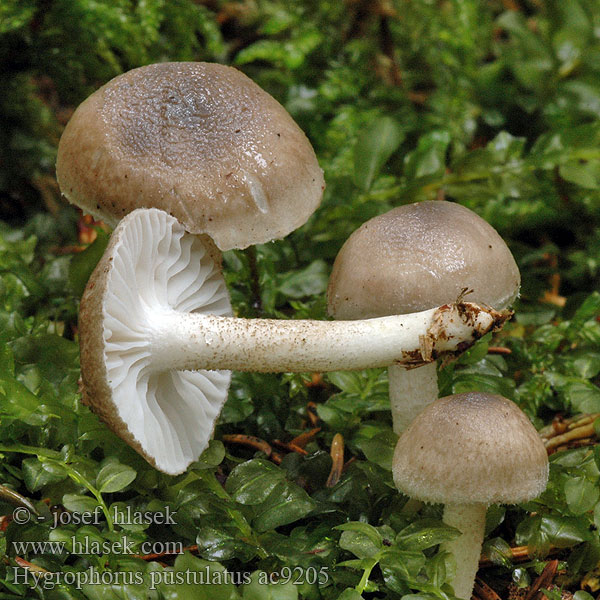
570 433
337 458
545 581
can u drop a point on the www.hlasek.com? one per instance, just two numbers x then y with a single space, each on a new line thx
87 546
208 576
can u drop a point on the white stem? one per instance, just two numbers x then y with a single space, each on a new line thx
470 519
411 390
196 341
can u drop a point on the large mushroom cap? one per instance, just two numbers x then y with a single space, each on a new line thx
471 448
149 268
201 141
418 256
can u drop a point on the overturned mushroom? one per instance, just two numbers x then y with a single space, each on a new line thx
201 141
468 451
154 325
412 258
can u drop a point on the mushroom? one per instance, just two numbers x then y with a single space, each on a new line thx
201 141
154 332
468 451
412 258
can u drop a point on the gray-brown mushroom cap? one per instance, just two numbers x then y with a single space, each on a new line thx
471 448
201 141
418 256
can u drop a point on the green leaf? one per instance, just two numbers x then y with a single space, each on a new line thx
83 263
290 55
429 158
218 544
347 381
373 149
286 503
308 282
53 355
541 532
37 475
581 495
588 365
403 564
436 569
482 382
362 539
252 482
588 309
79 504
585 175
380 448
424 534
212 456
197 579
582 595
583 396
113 477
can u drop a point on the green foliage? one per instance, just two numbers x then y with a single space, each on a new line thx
403 101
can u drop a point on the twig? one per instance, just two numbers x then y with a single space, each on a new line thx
31 567
543 581
306 437
499 350
578 433
583 443
316 380
193 548
253 442
560 425
510 5
484 591
316 551
337 456
289 446
517 554
348 463
62 250
311 411
9 495
552 296
86 229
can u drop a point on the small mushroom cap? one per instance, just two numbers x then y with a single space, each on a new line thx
151 265
201 141
418 256
471 448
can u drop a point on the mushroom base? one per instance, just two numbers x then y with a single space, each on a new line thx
466 549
